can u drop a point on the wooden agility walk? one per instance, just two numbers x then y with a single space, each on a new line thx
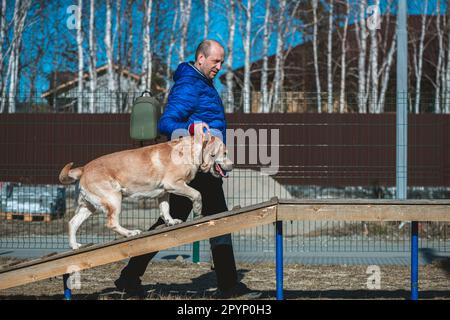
237 219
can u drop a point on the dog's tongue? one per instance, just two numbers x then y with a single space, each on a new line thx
219 169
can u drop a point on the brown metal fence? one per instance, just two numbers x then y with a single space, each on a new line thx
320 156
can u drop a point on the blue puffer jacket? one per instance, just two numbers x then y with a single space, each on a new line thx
192 98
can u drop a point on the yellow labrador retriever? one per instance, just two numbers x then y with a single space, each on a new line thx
152 171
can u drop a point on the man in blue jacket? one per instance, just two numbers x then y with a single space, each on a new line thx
193 101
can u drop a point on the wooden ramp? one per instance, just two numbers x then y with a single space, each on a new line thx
223 223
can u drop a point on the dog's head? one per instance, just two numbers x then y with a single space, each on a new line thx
215 159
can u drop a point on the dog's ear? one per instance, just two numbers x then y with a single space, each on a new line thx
207 139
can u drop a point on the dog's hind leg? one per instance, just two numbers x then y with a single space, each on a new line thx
113 208
81 214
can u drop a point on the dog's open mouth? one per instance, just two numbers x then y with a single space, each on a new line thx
220 171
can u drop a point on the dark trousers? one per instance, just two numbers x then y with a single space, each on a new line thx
213 201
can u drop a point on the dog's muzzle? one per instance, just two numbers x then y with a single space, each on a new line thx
221 171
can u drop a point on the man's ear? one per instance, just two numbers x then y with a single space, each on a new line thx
201 59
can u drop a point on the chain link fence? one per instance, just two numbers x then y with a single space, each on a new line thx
325 156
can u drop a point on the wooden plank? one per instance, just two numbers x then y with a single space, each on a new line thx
26 216
366 201
201 229
374 211
233 212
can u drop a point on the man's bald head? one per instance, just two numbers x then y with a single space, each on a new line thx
205 46
209 58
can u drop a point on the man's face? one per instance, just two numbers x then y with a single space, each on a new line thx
212 64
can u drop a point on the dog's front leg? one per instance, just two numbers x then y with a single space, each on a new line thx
182 189
164 212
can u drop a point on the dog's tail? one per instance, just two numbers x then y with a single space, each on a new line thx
68 175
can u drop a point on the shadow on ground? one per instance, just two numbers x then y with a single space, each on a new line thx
200 288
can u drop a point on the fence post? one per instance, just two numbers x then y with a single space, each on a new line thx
67 290
196 252
279 259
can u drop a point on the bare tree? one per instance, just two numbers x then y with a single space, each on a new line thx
230 46
343 58
128 49
12 75
109 52
361 35
147 54
279 65
185 16
373 103
2 38
330 56
206 31
447 73
418 58
437 98
169 54
247 51
80 56
386 74
118 31
92 57
264 101
316 62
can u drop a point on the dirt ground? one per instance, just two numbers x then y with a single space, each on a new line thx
177 279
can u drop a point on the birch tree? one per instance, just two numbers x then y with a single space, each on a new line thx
2 38
205 30
118 32
129 34
147 55
12 76
386 74
330 57
418 59
92 57
80 56
316 62
361 33
289 29
247 48
109 52
388 48
230 47
447 76
437 97
169 54
343 58
185 16
279 65
373 103
264 101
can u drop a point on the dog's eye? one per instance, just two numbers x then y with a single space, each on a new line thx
213 155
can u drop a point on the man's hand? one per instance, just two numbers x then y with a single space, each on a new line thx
200 131
199 127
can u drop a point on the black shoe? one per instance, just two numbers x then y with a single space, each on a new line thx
131 288
240 290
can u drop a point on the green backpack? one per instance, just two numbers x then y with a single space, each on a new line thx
145 115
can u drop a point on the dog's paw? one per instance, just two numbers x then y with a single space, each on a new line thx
133 233
174 222
75 246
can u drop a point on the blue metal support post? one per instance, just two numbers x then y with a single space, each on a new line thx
279 259
414 261
67 290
